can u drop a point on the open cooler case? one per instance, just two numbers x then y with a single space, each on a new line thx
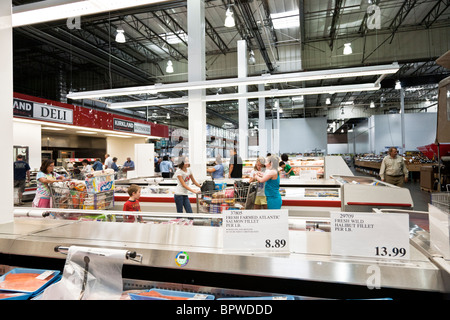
365 193
190 258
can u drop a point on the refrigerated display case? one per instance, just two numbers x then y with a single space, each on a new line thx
308 269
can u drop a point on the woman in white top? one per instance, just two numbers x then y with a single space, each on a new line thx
182 176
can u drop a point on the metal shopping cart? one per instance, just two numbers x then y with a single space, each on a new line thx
240 196
65 197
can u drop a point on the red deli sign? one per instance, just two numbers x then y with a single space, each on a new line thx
46 110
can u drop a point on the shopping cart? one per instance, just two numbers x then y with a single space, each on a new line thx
66 196
240 196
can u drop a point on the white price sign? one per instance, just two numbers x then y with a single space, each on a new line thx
256 230
375 235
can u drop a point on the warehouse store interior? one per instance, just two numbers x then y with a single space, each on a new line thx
330 84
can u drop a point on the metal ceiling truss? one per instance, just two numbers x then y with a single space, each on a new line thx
336 12
435 12
253 28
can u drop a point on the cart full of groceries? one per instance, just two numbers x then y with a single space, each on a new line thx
96 192
219 197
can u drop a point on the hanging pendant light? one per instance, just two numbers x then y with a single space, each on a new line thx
229 20
372 104
120 36
398 85
169 68
252 59
348 48
328 101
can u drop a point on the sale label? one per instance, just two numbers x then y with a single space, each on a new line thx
375 235
256 230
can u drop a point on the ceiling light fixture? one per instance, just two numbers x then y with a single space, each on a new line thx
229 20
232 82
348 48
252 59
169 67
51 10
398 85
372 104
328 101
120 36
168 116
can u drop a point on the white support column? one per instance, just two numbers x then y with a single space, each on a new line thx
262 131
196 72
402 117
243 109
6 112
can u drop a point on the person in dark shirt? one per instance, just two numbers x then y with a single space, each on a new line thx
235 169
97 166
21 176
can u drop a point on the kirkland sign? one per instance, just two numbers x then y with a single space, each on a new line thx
129 126
33 110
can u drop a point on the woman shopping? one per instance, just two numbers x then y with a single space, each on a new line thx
183 175
260 200
44 177
271 180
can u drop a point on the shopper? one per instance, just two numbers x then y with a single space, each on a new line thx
271 178
260 200
287 168
21 176
166 167
217 170
87 168
114 164
44 177
393 168
132 204
108 161
97 166
128 165
183 175
235 169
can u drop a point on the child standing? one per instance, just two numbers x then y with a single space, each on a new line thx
132 203
287 168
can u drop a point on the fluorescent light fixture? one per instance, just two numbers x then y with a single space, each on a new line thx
252 95
229 20
51 10
120 36
65 126
52 128
117 136
398 85
233 82
285 20
87 132
348 48
169 68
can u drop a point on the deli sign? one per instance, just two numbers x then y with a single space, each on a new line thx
23 108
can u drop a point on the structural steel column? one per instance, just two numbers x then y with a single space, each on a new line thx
196 72
243 109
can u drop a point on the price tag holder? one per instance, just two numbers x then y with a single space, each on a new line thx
374 235
256 230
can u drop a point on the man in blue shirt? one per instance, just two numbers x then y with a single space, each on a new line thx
97 166
21 175
128 165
